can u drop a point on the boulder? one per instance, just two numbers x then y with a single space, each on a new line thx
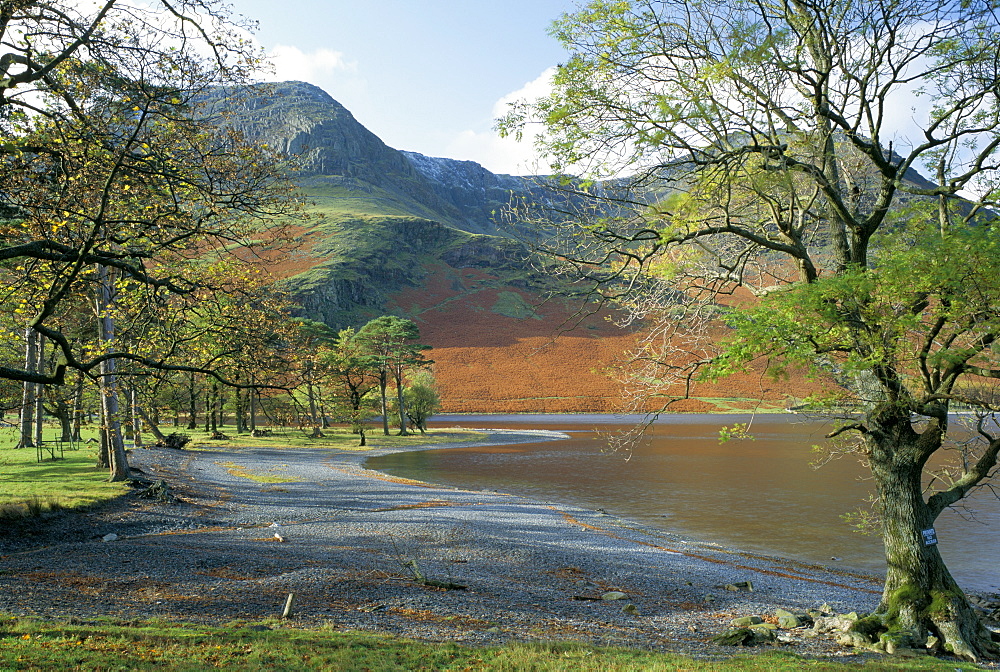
789 620
833 624
746 621
745 637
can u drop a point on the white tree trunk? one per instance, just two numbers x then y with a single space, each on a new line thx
39 398
28 400
118 461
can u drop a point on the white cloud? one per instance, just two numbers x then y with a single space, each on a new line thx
288 63
504 155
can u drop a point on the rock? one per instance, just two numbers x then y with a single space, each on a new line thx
631 609
763 626
905 652
744 637
746 621
832 624
789 622
109 537
853 639
614 595
740 586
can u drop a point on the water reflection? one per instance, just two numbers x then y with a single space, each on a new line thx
759 495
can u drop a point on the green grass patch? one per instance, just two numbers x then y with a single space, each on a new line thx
31 487
34 645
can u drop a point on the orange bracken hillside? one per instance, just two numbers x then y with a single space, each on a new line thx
494 354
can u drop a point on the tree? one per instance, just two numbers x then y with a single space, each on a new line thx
768 188
115 156
422 399
348 369
313 337
392 347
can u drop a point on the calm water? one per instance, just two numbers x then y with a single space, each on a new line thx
758 495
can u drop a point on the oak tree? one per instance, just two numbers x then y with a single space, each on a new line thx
767 156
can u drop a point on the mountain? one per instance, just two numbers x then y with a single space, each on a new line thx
419 236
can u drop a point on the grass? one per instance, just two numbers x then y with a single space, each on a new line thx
31 487
106 645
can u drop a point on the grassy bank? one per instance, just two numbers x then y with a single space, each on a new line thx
33 645
31 487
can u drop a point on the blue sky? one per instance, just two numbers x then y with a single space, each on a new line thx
425 76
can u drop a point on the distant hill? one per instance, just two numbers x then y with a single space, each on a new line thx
419 237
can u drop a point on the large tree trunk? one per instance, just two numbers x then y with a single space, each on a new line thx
152 425
64 414
136 422
39 391
28 401
109 387
382 384
78 407
920 597
399 402
192 403
212 409
118 460
253 406
241 423
311 396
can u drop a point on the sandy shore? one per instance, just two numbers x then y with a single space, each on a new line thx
356 541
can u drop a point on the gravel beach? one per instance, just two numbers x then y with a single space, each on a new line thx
365 551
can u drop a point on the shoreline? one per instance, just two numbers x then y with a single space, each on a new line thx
684 542
514 437
353 543
650 528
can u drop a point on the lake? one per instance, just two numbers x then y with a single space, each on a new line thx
759 495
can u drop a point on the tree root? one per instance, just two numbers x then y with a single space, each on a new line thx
954 628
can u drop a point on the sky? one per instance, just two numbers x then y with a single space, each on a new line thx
427 76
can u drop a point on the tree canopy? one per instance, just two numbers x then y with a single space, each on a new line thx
766 159
392 348
115 157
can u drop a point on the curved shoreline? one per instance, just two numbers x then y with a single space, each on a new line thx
682 543
353 543
519 436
